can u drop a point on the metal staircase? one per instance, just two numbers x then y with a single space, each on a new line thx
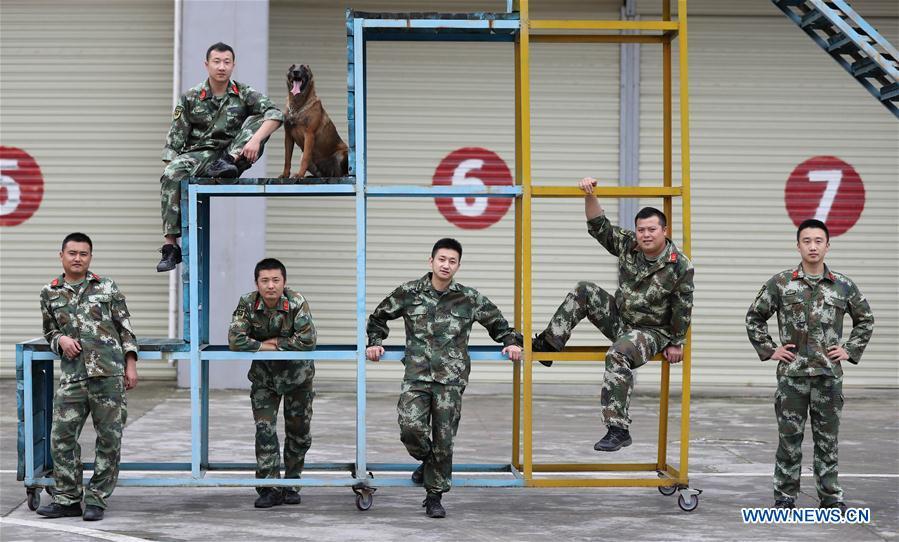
852 42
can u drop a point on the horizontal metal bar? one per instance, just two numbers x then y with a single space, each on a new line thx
596 38
457 482
594 467
243 190
217 482
146 355
224 355
580 353
550 24
148 466
466 24
607 191
459 467
222 466
475 356
509 191
597 482
228 189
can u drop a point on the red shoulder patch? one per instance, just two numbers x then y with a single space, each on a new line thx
203 94
795 273
831 276
286 305
55 282
673 257
234 88
256 306
95 276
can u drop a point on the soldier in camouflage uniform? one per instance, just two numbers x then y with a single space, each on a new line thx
438 314
87 324
650 312
219 128
810 302
277 318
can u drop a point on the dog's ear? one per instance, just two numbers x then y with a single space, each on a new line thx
291 68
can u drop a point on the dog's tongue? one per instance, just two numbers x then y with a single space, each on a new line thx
297 88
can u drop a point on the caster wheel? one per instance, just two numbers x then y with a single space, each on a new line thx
688 503
667 490
34 498
364 500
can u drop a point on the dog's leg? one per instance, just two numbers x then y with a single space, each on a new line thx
308 145
288 153
344 164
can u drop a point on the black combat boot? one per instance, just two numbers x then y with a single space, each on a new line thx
292 496
785 502
841 505
56 510
616 439
433 508
269 497
92 513
223 168
171 256
242 164
540 344
419 475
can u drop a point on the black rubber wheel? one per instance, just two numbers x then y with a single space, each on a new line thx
364 500
688 504
667 490
34 498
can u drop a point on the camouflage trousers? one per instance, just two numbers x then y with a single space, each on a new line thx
631 347
429 414
103 398
272 380
193 164
796 398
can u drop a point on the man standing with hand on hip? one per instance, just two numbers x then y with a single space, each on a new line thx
810 302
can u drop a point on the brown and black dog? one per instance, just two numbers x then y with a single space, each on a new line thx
307 124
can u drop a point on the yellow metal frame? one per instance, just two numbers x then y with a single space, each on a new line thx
557 31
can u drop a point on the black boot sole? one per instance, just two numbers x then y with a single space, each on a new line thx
621 445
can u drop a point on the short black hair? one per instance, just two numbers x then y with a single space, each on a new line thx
449 243
649 212
221 48
813 223
77 237
268 264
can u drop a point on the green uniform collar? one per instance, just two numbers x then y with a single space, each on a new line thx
60 281
283 303
800 274
206 91
425 283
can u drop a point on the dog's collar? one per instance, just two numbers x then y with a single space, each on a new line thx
306 106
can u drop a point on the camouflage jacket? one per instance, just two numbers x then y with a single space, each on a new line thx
811 317
201 123
438 325
651 294
97 318
253 322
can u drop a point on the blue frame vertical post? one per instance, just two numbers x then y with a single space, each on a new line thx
357 74
205 233
196 427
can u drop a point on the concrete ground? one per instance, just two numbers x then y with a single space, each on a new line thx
732 444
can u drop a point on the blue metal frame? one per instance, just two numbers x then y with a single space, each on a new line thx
404 29
34 358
